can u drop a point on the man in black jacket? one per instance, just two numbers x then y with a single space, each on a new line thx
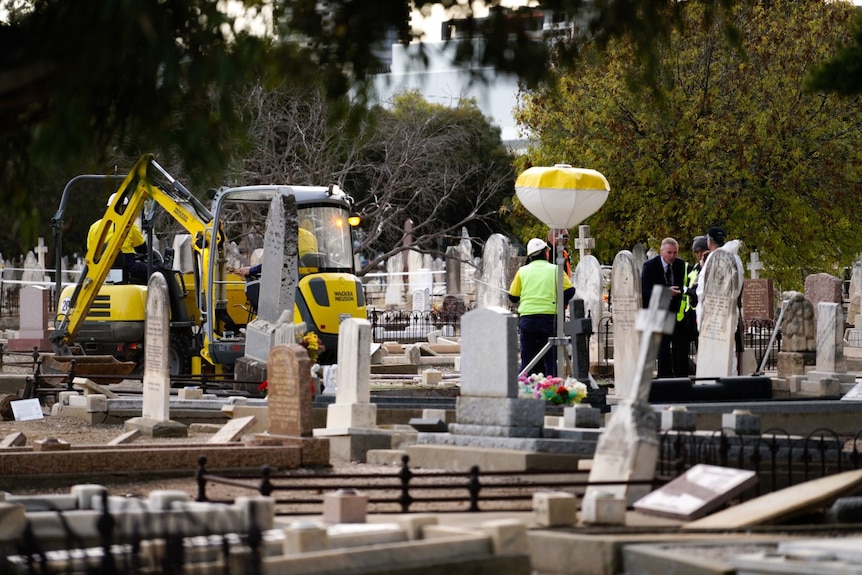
668 270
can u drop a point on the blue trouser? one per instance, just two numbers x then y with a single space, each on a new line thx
534 333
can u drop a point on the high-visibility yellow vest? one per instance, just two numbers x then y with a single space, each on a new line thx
687 280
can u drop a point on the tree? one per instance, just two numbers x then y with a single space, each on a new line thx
732 139
86 80
443 168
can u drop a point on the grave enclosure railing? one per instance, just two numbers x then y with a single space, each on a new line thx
757 336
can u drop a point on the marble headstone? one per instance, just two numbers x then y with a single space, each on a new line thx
491 290
625 305
719 317
588 285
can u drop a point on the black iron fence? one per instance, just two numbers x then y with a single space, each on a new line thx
779 459
757 335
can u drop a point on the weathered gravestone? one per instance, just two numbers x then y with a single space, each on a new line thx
588 284
453 270
830 373
289 401
798 343
395 287
34 319
628 448
823 287
155 418
625 305
278 281
491 288
719 316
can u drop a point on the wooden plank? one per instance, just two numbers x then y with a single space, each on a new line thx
779 505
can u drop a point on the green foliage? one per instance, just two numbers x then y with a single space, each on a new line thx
732 139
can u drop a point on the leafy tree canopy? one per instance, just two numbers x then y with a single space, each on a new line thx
733 139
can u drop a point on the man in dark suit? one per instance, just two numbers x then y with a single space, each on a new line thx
668 270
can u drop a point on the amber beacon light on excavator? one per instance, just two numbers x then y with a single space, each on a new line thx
104 312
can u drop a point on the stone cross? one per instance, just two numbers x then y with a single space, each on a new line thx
627 450
584 243
652 323
755 265
41 249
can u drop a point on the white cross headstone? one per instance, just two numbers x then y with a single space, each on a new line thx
755 265
584 243
41 249
627 450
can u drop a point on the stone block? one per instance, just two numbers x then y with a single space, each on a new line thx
190 393
555 508
432 377
344 506
51 444
415 523
508 536
344 415
163 499
96 403
603 509
86 493
741 421
678 418
13 520
305 537
258 510
506 411
582 416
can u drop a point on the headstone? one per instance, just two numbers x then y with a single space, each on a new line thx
493 284
278 276
27 409
155 415
584 243
757 299
183 257
628 448
830 373
625 305
639 253
823 287
33 325
855 294
353 407
797 325
395 287
453 270
289 391
41 250
755 265
697 492
33 273
488 370
421 300
588 284
719 316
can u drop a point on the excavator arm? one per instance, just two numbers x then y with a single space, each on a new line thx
146 181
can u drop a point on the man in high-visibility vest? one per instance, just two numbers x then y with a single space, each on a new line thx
534 289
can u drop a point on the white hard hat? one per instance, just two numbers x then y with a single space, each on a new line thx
535 246
111 199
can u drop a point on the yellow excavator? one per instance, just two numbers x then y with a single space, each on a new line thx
103 313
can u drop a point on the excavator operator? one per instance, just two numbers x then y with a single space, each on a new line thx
134 244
